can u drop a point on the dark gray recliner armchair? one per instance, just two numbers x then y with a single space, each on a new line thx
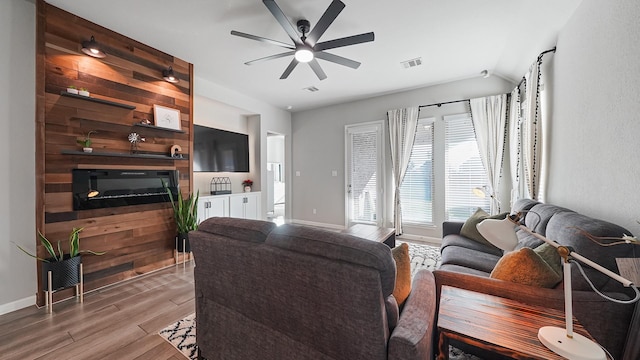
294 292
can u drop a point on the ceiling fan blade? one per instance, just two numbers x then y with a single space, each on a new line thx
289 69
337 59
283 20
262 39
327 18
315 66
345 41
276 56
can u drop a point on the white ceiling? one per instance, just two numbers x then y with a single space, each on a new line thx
456 39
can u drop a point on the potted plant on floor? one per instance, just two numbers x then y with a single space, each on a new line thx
185 212
64 267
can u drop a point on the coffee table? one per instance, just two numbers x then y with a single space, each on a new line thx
373 233
500 325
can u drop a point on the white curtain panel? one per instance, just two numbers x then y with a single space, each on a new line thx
489 116
515 148
531 128
402 133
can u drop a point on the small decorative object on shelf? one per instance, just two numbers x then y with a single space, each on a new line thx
145 122
84 92
72 90
247 185
86 142
135 139
220 185
176 151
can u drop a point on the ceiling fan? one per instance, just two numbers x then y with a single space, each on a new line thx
306 48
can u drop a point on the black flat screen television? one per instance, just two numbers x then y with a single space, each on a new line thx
217 150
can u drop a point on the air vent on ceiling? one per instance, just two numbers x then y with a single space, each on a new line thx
311 89
412 63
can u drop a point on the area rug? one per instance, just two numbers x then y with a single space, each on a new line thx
182 334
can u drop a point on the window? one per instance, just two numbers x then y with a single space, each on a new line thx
416 190
451 179
463 169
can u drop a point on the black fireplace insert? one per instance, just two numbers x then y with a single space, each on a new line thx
96 188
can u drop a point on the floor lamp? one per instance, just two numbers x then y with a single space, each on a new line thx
564 342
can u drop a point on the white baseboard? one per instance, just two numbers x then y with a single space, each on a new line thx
421 239
318 224
17 305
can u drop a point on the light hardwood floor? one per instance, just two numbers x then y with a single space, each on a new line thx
119 322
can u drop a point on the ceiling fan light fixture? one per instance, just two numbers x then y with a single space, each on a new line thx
92 48
304 54
169 76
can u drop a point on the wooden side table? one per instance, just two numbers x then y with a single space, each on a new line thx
500 325
373 233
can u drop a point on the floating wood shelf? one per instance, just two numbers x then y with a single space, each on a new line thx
96 100
126 155
159 128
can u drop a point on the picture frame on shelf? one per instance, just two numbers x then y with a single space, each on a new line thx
166 117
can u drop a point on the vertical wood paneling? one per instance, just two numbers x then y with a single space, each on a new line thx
138 239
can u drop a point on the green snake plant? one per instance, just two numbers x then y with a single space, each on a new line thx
56 253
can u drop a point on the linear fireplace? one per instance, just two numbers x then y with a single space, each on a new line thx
96 188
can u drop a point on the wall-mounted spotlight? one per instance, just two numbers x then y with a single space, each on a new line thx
169 76
92 48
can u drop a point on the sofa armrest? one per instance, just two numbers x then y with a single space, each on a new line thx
451 228
413 337
606 321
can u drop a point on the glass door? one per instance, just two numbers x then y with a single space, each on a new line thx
364 182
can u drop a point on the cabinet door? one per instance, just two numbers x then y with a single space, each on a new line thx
252 207
219 206
236 206
202 209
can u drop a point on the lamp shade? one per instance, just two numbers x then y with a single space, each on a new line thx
500 233
304 54
92 48
169 76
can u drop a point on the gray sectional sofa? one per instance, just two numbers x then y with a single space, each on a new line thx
467 263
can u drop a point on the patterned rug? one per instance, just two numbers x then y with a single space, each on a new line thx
182 334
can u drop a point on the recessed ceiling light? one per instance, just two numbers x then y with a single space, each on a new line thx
289 107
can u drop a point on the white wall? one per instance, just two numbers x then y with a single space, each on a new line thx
318 144
17 134
262 119
595 145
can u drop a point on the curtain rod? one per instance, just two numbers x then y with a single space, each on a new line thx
442 103
457 101
538 60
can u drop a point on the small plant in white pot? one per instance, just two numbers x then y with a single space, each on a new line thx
72 90
84 92
86 142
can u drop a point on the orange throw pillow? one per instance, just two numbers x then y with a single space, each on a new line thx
403 273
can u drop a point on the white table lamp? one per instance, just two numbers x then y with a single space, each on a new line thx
564 342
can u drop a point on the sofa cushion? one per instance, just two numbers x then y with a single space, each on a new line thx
568 229
240 229
403 273
459 240
526 267
470 230
539 215
473 259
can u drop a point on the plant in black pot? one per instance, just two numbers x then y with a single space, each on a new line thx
185 212
64 267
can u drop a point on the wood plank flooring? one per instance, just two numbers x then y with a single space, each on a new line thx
119 322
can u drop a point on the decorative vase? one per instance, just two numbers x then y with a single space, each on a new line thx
247 188
183 243
64 273
72 91
87 149
84 93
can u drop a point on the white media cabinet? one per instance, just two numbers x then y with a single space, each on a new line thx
240 205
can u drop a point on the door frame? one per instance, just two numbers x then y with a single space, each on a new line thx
379 126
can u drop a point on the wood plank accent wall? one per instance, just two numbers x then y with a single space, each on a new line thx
138 239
